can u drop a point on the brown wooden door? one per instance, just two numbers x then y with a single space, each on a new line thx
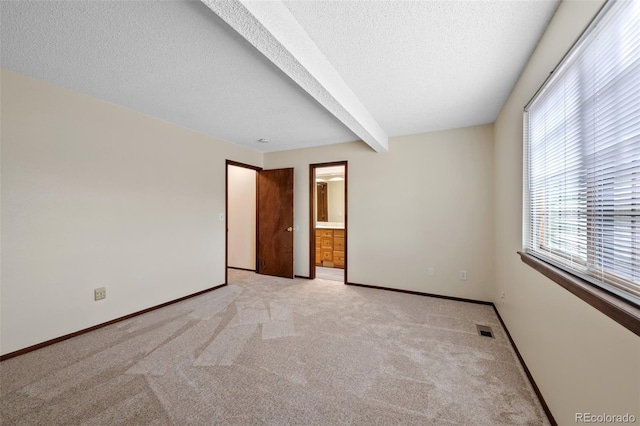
275 222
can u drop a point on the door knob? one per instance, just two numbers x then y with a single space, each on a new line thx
290 229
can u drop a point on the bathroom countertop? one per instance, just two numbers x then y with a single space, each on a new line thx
329 225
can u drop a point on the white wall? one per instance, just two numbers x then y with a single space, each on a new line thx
335 198
581 360
241 219
427 202
96 195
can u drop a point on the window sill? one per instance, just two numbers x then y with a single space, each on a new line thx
621 311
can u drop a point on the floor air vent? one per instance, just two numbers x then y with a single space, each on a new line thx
484 330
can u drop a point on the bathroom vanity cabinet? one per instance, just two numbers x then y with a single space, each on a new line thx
330 247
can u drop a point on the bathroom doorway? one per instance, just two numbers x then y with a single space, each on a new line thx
328 221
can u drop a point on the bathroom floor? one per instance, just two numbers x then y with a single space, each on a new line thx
330 274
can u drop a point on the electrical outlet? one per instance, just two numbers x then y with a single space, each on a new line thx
502 296
430 271
463 275
99 293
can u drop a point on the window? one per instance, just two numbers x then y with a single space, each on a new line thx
582 157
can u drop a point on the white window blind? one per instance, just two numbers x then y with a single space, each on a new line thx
582 157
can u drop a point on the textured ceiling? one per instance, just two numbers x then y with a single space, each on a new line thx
422 66
173 60
272 30
411 67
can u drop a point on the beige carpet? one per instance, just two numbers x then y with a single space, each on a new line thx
274 351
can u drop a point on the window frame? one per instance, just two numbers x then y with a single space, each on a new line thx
607 299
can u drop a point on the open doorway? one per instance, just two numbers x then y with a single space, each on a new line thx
259 220
241 211
328 221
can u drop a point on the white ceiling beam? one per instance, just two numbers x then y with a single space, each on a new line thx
272 29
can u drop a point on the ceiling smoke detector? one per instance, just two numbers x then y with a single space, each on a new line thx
263 140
